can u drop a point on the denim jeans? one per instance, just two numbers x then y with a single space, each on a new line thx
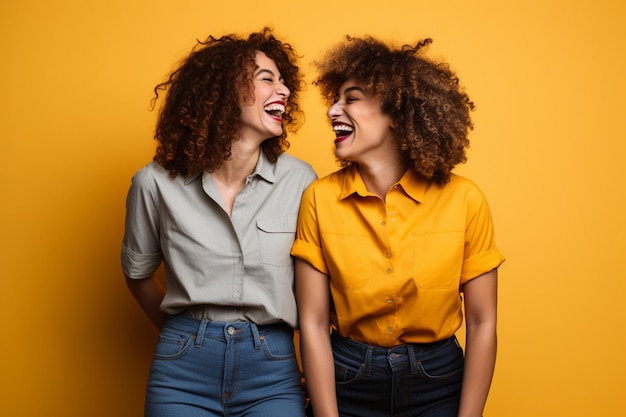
204 368
405 381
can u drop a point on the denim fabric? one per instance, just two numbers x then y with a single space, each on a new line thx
405 381
204 368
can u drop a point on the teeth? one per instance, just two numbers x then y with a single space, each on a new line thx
275 107
342 128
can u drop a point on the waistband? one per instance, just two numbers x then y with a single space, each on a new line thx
240 330
418 351
215 313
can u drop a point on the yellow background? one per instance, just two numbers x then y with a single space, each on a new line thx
548 151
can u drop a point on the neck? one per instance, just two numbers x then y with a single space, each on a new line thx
380 177
243 160
230 178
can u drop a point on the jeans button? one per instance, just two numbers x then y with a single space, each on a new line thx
231 330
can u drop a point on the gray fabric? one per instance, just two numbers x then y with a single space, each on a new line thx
232 268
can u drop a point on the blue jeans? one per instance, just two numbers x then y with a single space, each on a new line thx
405 381
204 368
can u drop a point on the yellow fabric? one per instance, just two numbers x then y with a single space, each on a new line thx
396 268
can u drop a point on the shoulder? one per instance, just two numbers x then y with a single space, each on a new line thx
152 177
294 170
460 184
329 186
467 191
290 162
335 178
150 173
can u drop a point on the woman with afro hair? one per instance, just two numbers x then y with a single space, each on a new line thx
218 208
393 249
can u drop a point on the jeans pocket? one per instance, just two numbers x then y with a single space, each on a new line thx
347 371
447 365
172 344
278 346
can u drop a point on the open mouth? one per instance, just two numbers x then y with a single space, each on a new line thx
275 110
342 131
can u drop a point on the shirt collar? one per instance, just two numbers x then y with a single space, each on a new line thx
264 169
352 183
414 186
190 178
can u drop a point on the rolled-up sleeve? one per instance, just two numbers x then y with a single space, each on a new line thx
480 254
307 245
141 251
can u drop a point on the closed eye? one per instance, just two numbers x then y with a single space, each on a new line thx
266 75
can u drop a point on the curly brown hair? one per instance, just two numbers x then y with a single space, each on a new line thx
429 110
199 119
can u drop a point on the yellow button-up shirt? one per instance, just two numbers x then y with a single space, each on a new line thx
396 267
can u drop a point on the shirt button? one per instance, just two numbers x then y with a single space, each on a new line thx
392 213
230 330
389 330
382 223
389 301
389 271
388 255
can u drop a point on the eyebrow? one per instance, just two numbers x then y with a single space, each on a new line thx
263 70
354 88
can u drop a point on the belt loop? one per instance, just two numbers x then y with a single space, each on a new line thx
412 359
255 336
201 331
368 361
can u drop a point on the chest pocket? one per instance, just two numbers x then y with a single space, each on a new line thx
438 258
276 236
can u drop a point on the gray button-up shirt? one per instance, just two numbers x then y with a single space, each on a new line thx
236 268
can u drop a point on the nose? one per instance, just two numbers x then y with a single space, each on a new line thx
283 90
335 110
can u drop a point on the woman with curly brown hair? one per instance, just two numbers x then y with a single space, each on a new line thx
218 207
391 246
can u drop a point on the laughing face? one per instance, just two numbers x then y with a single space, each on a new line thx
261 112
362 130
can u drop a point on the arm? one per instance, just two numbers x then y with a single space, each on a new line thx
149 293
480 349
313 297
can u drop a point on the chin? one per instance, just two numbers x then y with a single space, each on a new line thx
340 156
